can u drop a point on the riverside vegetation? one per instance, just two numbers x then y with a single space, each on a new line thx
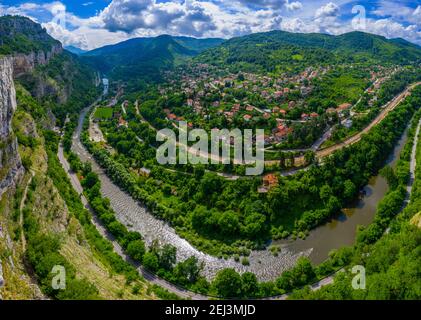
229 283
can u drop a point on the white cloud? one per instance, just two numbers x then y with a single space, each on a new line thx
398 12
298 25
292 6
328 10
392 29
272 4
189 17
124 19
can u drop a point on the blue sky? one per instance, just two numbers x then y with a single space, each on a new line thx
90 24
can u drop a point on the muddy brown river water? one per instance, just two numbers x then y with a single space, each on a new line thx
341 231
335 234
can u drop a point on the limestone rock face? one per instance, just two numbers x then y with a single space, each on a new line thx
25 63
1 276
11 168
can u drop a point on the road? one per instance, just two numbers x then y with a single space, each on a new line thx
412 170
322 153
413 163
150 277
185 293
354 139
118 249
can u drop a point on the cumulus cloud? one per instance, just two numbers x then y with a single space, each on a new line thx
298 25
189 17
124 19
392 29
328 10
292 6
273 4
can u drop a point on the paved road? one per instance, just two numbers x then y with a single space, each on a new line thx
354 139
322 153
413 163
190 295
117 248
412 169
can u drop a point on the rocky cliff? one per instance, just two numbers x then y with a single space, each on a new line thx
10 163
25 63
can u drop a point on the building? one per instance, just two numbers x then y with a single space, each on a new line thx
122 123
291 104
269 181
247 117
341 109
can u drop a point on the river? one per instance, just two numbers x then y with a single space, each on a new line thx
340 232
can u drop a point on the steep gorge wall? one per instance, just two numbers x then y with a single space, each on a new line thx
11 168
25 63
11 67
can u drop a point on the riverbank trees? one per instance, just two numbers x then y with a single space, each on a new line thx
204 206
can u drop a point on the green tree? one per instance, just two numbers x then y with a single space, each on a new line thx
228 222
389 174
136 250
349 190
167 256
228 284
250 285
150 261
188 271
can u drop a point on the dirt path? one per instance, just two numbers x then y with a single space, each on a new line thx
21 207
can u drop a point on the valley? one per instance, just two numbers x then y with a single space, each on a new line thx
81 185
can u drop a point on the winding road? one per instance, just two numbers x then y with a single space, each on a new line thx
325 152
78 148
150 277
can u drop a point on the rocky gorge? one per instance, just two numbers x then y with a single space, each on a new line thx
11 168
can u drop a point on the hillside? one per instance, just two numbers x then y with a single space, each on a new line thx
19 34
54 76
145 58
75 50
284 51
42 221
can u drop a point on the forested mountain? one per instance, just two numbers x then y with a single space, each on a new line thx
284 51
75 50
52 75
275 51
43 223
144 58
22 35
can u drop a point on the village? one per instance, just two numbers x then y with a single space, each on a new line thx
211 99
219 99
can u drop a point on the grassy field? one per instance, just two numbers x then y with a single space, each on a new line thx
103 113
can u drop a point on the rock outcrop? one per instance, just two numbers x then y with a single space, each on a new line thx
1 275
25 63
11 168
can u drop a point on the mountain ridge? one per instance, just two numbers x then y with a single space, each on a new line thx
285 51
